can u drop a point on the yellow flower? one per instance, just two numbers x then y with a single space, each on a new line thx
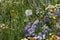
52 6
31 38
54 17
53 36
50 38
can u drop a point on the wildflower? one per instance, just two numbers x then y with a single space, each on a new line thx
39 34
34 25
53 36
52 6
32 38
25 39
28 12
58 38
44 36
57 5
45 29
39 38
31 31
46 19
50 38
28 26
58 25
54 17
50 33
35 38
57 13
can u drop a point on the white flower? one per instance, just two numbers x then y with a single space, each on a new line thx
57 5
50 33
39 37
28 12
35 37
25 39
44 36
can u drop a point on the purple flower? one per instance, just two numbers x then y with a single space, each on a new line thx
58 25
57 13
34 25
39 34
49 13
46 19
36 22
46 29
30 31
28 26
